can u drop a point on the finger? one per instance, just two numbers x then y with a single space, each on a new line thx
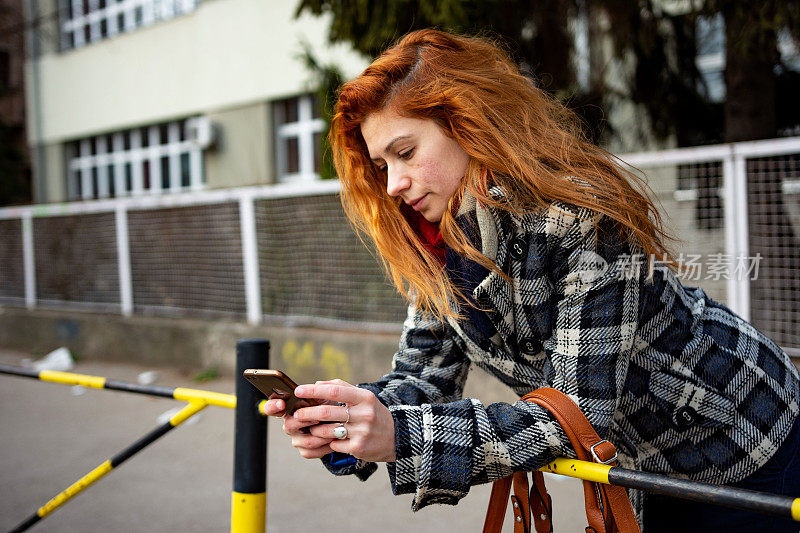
327 413
325 431
315 453
336 381
309 442
293 426
344 393
274 408
342 446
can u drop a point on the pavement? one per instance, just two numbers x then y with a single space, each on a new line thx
53 434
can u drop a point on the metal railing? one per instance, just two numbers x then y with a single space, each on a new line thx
278 254
733 189
249 496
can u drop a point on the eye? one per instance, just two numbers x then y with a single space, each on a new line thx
407 154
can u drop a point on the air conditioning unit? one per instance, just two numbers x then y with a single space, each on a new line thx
200 131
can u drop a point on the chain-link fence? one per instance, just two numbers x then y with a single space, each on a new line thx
287 255
313 265
736 212
186 255
773 193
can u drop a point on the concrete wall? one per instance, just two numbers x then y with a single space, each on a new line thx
306 354
303 352
50 182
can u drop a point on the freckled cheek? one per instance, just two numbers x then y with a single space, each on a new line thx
431 173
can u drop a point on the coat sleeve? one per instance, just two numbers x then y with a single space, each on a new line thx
429 367
445 448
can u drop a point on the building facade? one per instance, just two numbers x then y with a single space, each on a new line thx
132 97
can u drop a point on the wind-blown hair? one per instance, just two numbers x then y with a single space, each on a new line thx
517 137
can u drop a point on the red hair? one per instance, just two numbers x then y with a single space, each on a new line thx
517 137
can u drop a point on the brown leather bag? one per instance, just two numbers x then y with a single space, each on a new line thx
608 508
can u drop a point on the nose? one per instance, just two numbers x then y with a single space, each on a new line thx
397 180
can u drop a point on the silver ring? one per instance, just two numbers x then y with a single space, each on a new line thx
340 432
347 411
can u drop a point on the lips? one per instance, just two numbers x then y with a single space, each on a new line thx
416 204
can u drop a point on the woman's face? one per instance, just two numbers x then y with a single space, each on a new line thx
423 166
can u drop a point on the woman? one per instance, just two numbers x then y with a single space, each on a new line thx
518 245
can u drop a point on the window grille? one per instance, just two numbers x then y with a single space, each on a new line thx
298 132
151 159
87 21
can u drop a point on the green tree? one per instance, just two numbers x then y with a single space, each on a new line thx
658 46
753 64
761 98
540 41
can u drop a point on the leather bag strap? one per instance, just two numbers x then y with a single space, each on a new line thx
498 501
520 503
541 505
608 508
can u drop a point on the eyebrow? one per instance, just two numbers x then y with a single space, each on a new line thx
391 143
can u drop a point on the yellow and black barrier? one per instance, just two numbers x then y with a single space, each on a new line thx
97 382
248 513
249 497
106 467
749 500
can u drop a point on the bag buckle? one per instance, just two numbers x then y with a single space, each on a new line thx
597 459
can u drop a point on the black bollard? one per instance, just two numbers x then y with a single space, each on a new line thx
249 501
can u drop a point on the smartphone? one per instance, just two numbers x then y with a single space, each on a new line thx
277 385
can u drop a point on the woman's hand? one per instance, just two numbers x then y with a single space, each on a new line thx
309 446
370 430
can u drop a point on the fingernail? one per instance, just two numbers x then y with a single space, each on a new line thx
299 390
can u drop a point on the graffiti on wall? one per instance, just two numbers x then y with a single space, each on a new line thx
305 361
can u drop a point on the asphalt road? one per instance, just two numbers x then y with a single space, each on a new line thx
53 434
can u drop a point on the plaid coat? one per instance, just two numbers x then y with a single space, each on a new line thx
678 382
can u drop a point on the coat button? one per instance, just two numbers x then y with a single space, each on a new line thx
685 417
518 248
529 346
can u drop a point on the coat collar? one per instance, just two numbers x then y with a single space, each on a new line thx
486 230
492 231
479 223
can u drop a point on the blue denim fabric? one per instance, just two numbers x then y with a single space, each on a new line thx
781 475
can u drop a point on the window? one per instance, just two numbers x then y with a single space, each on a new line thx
298 132
579 26
153 159
789 50
710 58
87 21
